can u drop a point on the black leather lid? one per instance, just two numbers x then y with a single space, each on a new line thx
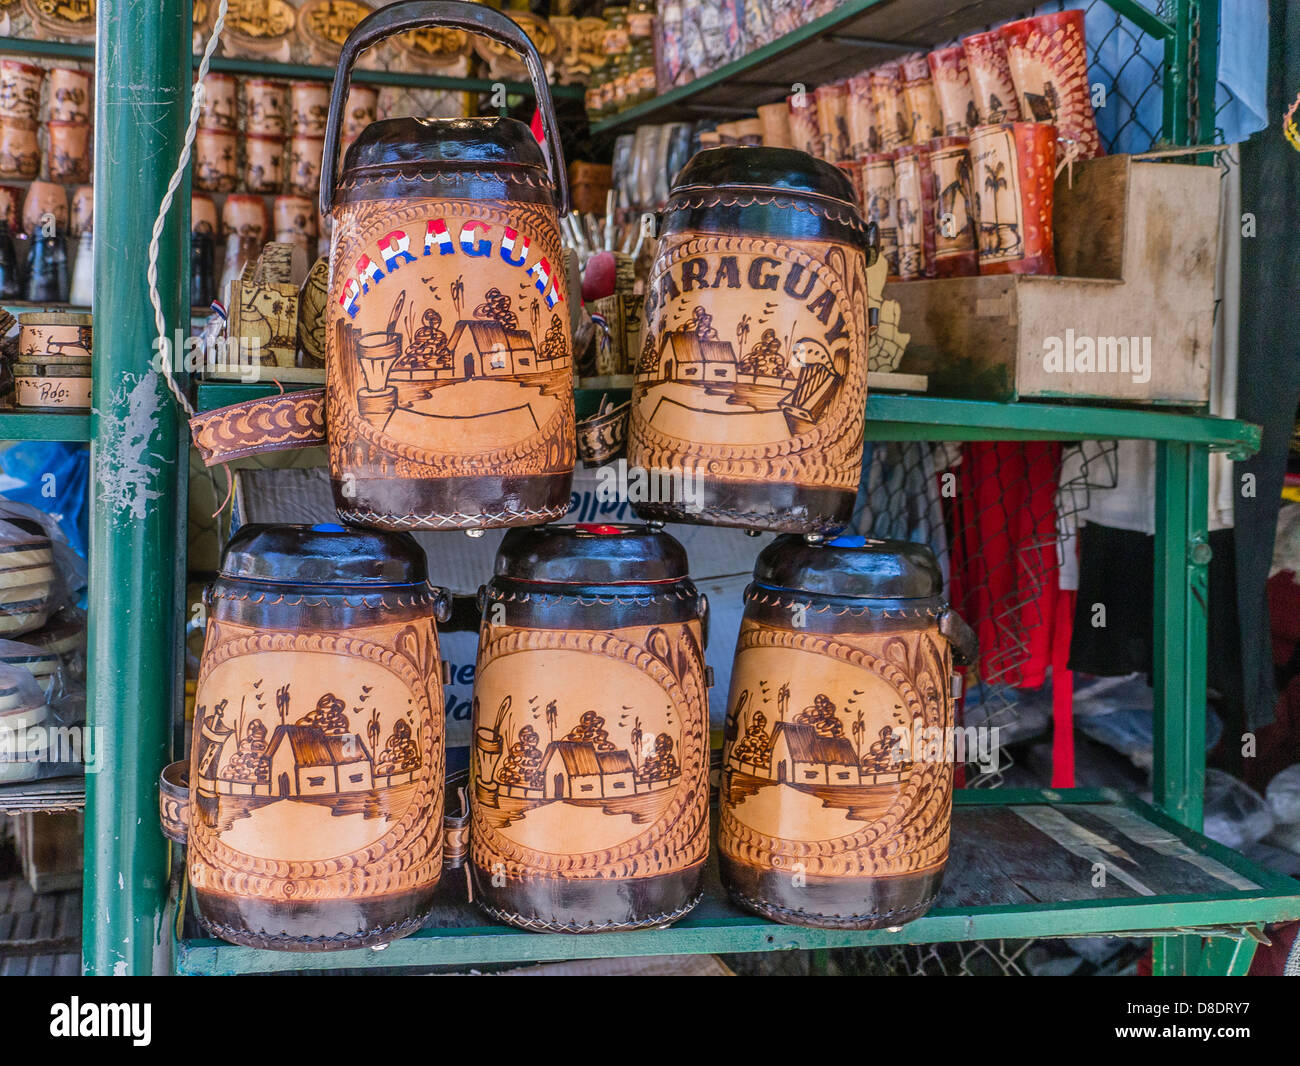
444 142
776 168
323 555
590 554
850 566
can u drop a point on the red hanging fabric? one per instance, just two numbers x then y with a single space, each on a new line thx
1004 564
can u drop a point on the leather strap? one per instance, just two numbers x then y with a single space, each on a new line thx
269 424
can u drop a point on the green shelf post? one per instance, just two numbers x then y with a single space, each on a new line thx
1182 559
141 103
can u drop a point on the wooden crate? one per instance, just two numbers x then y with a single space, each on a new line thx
50 849
1136 245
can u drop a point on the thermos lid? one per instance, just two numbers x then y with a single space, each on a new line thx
850 566
591 554
324 554
777 168
487 141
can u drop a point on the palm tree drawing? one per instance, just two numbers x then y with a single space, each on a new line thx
742 332
552 715
458 293
995 182
857 729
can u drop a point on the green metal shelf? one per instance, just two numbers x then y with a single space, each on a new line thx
856 35
43 425
299 71
905 417
1154 847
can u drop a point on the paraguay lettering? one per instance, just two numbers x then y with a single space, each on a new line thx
476 239
762 273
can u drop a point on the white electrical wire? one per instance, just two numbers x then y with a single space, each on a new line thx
177 176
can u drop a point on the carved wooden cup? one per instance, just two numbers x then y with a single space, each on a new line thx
833 811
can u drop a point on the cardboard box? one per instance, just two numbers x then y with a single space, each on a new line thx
1136 247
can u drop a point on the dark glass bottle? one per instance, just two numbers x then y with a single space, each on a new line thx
11 282
47 269
203 283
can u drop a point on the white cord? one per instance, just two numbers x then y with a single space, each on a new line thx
177 176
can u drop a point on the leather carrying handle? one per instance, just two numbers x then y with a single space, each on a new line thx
965 644
427 14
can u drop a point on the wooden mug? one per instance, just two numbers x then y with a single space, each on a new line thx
863 137
955 253
920 104
265 103
362 109
990 77
952 88
310 107
833 121
243 215
878 203
887 107
83 210
263 163
914 211
776 125
220 108
69 151
70 95
203 215
20 150
216 160
1014 172
805 129
305 154
295 221
46 201
20 89
1048 58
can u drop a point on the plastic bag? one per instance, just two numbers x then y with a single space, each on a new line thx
1283 795
24 715
1235 814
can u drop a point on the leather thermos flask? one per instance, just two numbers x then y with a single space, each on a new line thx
836 796
591 732
449 381
750 389
315 783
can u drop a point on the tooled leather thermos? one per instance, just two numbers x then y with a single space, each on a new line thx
450 391
316 775
750 388
590 752
449 381
836 795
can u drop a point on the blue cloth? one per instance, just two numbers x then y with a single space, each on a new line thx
54 478
1128 64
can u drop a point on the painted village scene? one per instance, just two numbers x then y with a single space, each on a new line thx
314 758
766 380
812 753
507 353
568 764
